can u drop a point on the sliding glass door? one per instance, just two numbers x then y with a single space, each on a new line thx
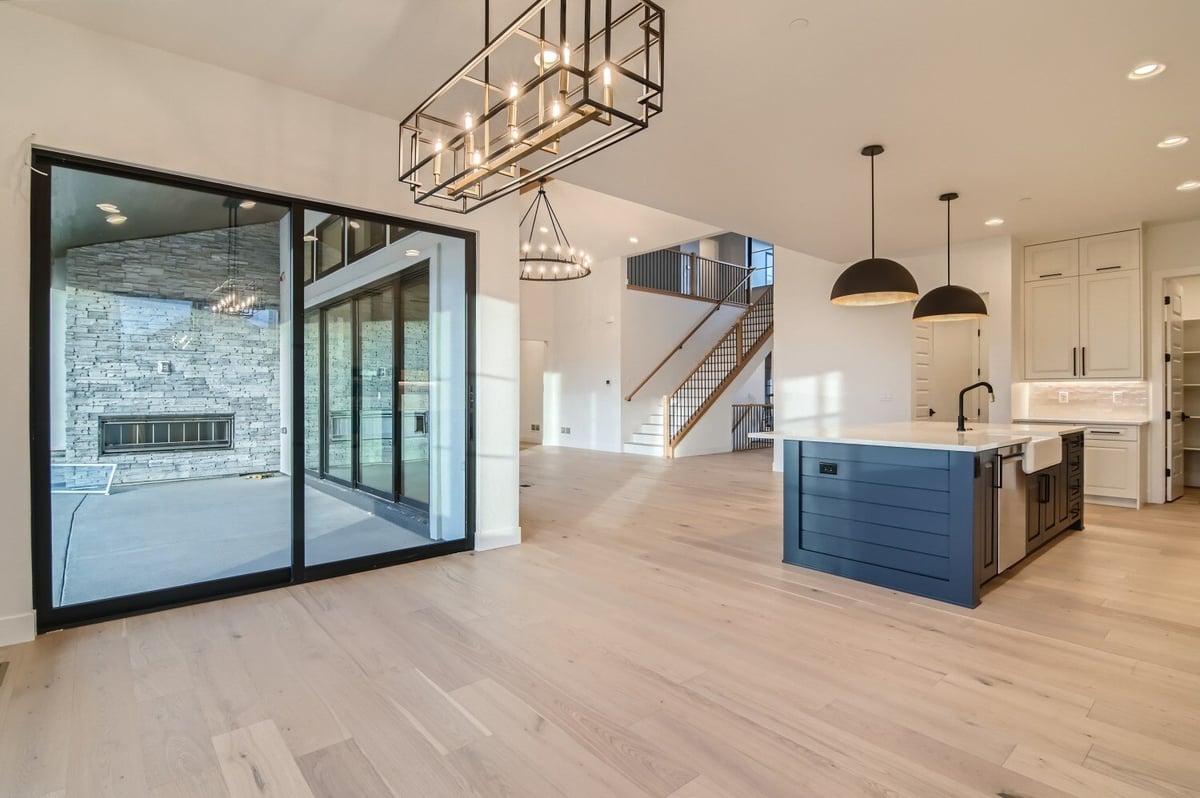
376 367
379 417
191 342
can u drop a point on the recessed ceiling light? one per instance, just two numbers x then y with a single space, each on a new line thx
1146 70
633 239
799 23
412 253
311 237
1188 185
995 221
543 230
1172 141
247 204
355 225
108 207
115 218
1025 199
546 57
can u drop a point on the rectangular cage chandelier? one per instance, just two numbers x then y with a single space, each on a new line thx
566 79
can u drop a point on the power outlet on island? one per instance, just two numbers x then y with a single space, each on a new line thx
565 430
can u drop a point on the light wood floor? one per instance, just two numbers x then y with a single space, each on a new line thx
645 641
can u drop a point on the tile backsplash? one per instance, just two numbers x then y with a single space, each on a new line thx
1077 400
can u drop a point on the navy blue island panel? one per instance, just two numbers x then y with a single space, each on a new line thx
898 517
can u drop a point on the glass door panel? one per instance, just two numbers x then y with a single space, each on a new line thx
414 389
166 340
339 392
376 354
312 390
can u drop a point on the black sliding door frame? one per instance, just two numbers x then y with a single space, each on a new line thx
51 617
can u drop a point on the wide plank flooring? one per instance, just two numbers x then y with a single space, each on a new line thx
644 642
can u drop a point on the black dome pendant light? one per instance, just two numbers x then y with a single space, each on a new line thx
875 281
950 302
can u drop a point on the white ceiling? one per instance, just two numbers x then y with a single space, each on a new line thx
763 122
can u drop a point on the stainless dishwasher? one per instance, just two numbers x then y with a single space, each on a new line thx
1012 534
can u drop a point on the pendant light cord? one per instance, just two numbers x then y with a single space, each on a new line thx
948 242
872 207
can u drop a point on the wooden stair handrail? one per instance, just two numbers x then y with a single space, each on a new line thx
735 329
749 271
670 442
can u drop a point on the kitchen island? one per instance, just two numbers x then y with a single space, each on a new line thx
925 509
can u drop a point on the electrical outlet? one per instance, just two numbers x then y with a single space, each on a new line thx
1063 397
535 427
565 430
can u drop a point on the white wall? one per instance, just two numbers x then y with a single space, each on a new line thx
581 322
79 91
842 366
1170 250
533 369
651 325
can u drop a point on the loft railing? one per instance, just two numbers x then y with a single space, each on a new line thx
751 418
684 406
675 272
738 289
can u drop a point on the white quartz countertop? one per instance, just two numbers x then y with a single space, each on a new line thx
1094 422
925 434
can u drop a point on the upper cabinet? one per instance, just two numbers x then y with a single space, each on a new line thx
1110 253
1053 260
1083 308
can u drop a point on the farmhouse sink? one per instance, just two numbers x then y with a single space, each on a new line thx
1041 452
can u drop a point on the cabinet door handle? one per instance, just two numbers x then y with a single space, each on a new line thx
1083 359
1074 361
1052 274
1104 432
1107 268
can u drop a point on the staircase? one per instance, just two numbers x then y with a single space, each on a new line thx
648 439
663 431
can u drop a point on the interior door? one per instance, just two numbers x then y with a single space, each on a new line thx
922 379
1174 389
946 359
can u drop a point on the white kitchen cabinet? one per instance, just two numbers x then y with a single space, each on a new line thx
1110 252
1110 325
1053 260
1052 329
1087 326
1112 470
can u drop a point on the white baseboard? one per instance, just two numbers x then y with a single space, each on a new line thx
497 538
18 628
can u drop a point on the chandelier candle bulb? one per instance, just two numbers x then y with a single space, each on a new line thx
513 133
437 161
564 75
608 87
469 125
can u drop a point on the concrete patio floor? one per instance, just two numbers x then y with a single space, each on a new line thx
167 534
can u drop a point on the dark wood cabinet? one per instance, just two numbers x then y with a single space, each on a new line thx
986 518
1054 496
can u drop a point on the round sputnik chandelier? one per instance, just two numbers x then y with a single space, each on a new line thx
546 253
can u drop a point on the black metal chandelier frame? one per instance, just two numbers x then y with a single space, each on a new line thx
573 93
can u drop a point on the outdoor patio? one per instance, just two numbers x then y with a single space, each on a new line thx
166 534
